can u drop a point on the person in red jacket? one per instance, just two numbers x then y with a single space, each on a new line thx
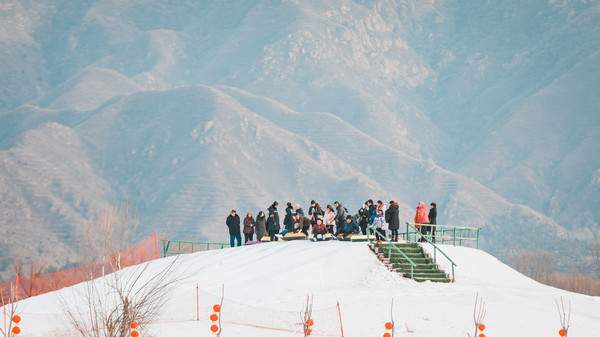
319 227
421 217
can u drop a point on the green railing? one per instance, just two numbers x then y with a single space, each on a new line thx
435 249
444 234
185 247
390 246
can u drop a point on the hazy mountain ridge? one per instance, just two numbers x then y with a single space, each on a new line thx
190 109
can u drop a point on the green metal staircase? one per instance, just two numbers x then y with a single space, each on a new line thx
424 268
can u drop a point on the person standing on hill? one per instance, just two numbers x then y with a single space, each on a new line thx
379 225
233 222
261 225
393 220
273 221
288 220
249 225
363 218
433 220
304 223
340 217
421 217
329 219
314 212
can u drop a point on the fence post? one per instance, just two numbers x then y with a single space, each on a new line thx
197 304
340 314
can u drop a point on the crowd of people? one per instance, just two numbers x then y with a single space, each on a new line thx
333 219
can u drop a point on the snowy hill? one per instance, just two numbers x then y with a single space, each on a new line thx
272 281
189 109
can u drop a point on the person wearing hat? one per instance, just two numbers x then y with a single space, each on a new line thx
393 220
233 222
273 220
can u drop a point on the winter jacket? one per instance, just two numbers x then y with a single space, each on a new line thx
379 222
303 221
433 216
329 219
233 222
340 213
421 215
273 221
391 216
249 224
351 227
320 227
288 221
300 211
314 212
261 227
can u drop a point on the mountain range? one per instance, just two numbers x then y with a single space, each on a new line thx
188 109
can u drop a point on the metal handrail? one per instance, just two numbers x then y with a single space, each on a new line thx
456 236
390 246
167 244
436 248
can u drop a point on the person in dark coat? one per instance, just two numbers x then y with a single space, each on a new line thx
273 221
314 212
433 219
249 225
261 225
393 220
340 217
233 222
288 220
363 218
372 211
299 210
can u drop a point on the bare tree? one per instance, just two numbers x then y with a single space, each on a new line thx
12 314
478 315
565 318
595 255
112 302
306 316
535 264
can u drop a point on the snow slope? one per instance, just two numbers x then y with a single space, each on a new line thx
276 278
189 109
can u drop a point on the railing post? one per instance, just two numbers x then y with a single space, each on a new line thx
454 236
478 229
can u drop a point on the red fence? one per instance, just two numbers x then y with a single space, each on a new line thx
22 287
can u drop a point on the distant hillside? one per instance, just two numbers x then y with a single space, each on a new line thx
189 109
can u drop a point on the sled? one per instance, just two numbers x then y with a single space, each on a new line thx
321 237
294 236
362 238
252 242
348 237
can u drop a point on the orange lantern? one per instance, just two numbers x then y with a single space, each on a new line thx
214 317
16 330
16 319
481 327
389 325
214 328
310 322
135 333
562 332
481 335
387 334
134 324
217 308
308 332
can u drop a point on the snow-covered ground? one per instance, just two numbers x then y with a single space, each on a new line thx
268 284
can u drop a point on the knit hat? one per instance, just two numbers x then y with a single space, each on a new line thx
233 211
348 217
